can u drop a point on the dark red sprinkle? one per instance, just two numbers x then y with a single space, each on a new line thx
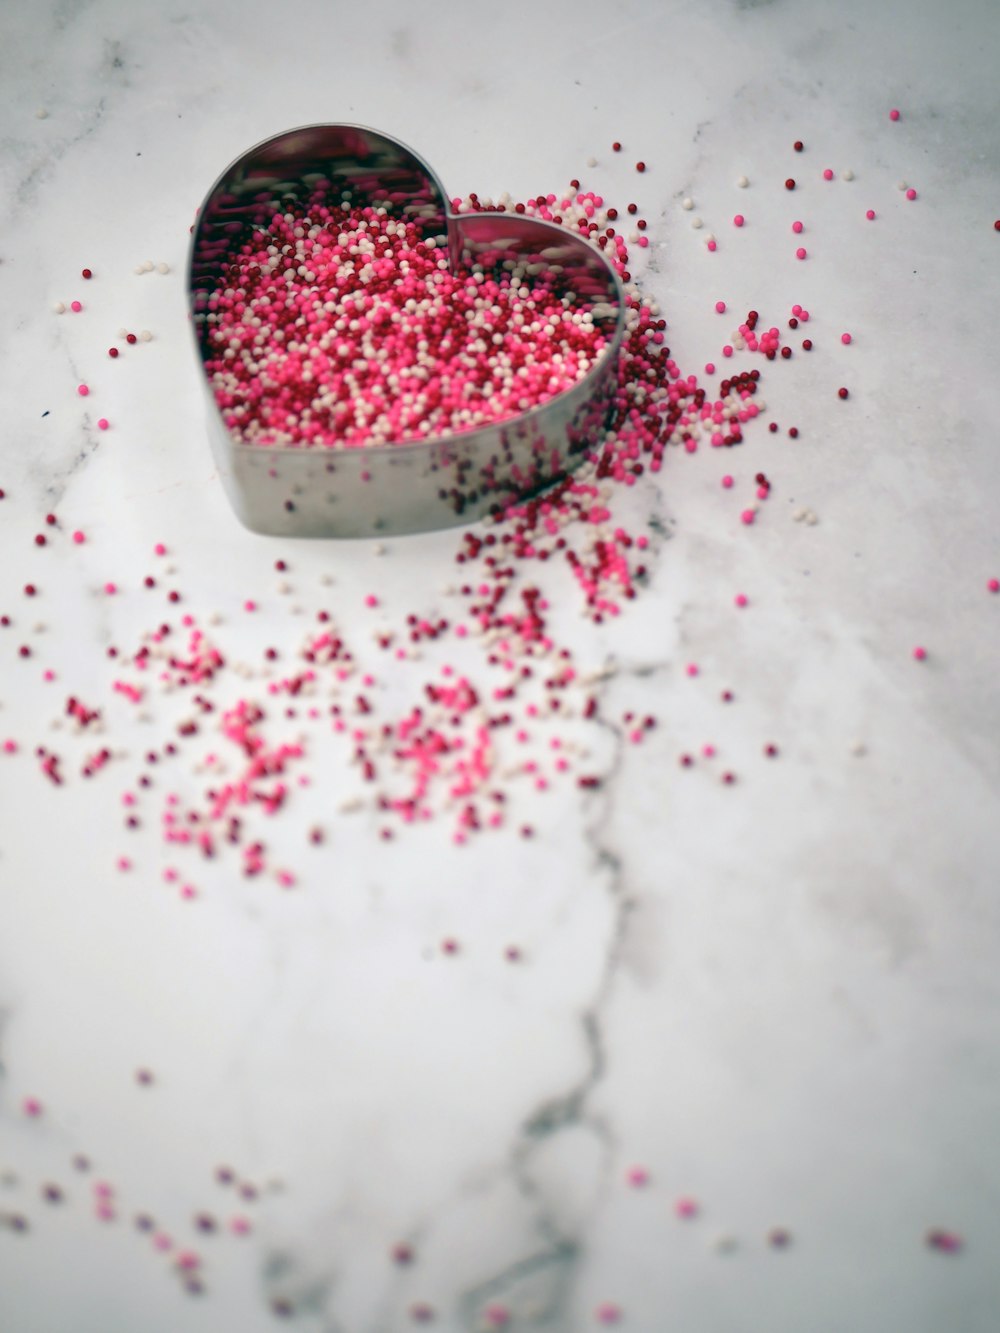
112 351
727 696
616 147
790 184
224 1175
30 590
51 520
131 338
842 393
996 227
793 431
280 566
640 166
39 538
24 650
771 751
205 1222
52 1194
793 323
786 352
807 345
86 273
149 581
773 427
173 596
633 208
4 621
798 145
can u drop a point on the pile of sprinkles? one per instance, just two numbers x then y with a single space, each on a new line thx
342 328
344 325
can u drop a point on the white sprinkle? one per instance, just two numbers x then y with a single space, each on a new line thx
811 518
696 223
901 185
709 237
847 174
591 161
41 113
379 548
742 182
799 515
858 748
163 268
59 308
145 336
687 204
148 266
140 269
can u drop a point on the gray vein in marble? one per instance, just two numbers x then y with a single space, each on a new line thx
557 1260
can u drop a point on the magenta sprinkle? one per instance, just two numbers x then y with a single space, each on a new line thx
797 227
894 114
870 214
919 653
82 390
800 253
738 220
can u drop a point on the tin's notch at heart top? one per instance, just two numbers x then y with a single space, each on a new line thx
389 489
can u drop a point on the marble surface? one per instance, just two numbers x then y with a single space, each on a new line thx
778 998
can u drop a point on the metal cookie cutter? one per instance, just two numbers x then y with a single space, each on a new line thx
388 489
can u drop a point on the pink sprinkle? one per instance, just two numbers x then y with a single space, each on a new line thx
105 1211
187 1259
738 220
78 537
31 1106
102 423
711 245
10 747
720 307
75 306
993 585
741 599
692 668
846 339
162 1241
637 1176
686 1207
727 481
709 367
708 751
123 863
496 1316
748 516
727 350
893 114
911 193
160 549
239 1226
946 1241
797 227
82 390
371 600
608 1313
919 653
800 253
828 174
111 589
249 605
870 215
188 891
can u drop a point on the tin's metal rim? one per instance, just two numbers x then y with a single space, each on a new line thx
452 220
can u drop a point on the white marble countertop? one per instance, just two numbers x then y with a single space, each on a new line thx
777 998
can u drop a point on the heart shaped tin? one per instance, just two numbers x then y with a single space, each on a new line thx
389 489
